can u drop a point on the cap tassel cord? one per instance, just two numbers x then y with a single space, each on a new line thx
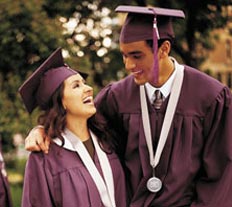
155 50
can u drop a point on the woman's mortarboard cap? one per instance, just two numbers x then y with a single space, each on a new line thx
40 86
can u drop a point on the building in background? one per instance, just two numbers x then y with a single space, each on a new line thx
219 61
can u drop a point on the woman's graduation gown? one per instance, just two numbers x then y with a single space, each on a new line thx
60 178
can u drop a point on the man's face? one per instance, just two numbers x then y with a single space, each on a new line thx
138 59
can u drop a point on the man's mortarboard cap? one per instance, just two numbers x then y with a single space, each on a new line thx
139 23
40 86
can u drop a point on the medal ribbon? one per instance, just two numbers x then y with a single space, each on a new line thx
174 96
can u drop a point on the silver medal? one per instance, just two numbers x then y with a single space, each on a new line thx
154 184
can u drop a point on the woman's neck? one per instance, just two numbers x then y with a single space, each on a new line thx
79 127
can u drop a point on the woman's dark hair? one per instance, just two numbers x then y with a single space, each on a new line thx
106 137
54 121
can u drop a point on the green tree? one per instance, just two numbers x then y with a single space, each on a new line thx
27 35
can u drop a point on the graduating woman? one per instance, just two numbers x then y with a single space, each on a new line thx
80 168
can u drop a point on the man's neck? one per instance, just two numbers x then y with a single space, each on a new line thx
165 71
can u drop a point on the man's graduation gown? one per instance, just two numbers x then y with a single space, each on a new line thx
196 163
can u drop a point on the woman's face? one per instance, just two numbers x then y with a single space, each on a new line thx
78 97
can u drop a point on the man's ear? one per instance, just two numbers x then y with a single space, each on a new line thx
165 49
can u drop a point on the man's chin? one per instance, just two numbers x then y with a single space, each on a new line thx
139 81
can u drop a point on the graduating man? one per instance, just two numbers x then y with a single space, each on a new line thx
173 121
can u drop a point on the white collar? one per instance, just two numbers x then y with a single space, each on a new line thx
104 185
67 142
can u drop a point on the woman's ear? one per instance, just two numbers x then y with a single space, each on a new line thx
64 106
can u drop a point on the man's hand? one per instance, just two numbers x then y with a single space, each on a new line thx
37 140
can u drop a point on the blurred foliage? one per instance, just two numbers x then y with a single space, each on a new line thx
88 32
27 35
16 191
15 171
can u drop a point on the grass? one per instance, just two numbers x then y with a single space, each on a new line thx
16 193
15 171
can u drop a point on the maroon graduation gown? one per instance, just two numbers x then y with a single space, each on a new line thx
61 179
5 196
196 163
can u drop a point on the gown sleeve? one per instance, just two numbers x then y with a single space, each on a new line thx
108 114
36 189
214 185
106 105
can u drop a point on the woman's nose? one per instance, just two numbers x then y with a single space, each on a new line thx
88 88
